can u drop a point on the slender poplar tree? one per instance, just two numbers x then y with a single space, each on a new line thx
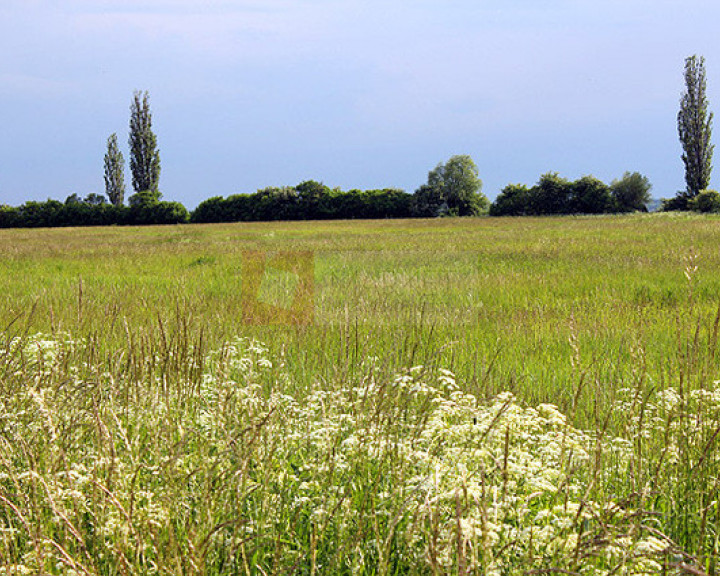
114 172
144 155
695 127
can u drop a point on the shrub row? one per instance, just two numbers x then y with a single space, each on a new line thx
588 195
707 201
309 200
312 200
52 213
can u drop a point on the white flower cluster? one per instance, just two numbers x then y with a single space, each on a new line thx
492 483
39 354
679 427
363 477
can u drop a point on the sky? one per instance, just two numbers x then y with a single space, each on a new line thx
354 93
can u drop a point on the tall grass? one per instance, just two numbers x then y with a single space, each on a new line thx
163 460
474 397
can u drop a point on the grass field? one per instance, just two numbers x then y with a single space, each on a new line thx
473 396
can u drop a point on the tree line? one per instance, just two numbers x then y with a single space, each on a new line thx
555 195
453 188
144 206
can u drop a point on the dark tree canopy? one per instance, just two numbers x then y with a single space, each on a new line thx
556 195
551 195
513 200
706 201
590 196
695 127
428 201
94 199
631 193
144 155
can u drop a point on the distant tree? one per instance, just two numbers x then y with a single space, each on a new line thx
462 186
144 155
313 199
695 127
94 199
678 202
276 203
452 188
590 196
114 172
238 208
34 214
155 212
631 193
144 198
386 203
551 195
170 213
211 210
706 201
73 199
428 201
513 200
9 217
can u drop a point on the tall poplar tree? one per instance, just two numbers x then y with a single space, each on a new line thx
695 127
114 172
144 155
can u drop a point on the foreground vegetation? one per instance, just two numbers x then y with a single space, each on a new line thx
500 396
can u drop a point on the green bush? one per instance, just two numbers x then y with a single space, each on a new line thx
308 200
513 200
590 196
706 201
210 210
680 202
428 202
551 195
158 213
144 197
8 216
631 193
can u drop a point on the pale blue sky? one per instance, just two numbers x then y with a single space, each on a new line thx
358 94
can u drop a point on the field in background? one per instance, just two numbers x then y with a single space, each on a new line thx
499 302
587 314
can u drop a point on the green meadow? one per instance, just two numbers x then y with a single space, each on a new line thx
472 396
